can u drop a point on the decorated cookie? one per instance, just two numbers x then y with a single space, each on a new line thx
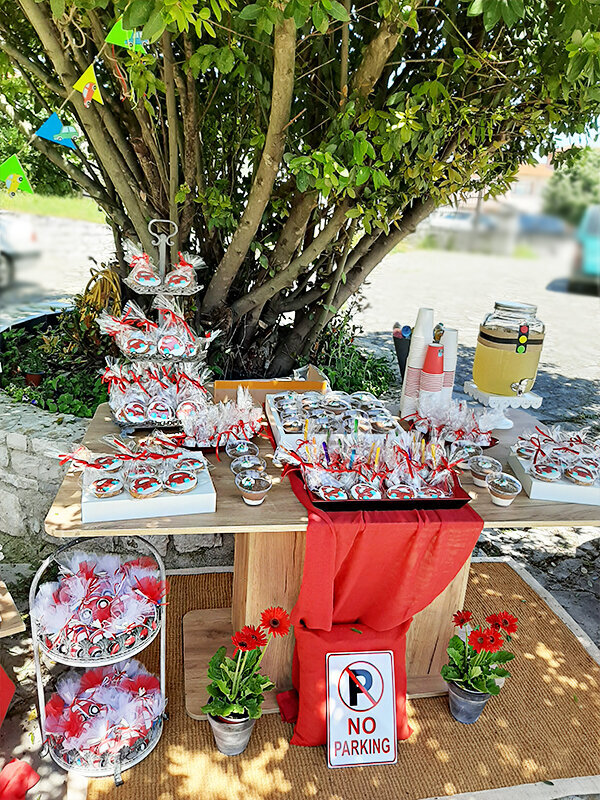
180 482
146 486
363 491
187 408
191 349
159 411
400 493
431 491
580 474
525 451
134 412
179 279
333 493
138 345
546 472
108 463
142 469
191 464
106 487
145 278
171 346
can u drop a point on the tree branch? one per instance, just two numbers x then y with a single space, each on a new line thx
287 276
172 134
284 54
34 68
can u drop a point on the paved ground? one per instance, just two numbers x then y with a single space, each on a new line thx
462 287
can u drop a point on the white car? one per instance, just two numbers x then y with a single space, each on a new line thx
18 240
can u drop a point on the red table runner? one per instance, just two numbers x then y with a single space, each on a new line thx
371 568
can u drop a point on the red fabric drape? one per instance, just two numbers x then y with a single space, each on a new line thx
378 568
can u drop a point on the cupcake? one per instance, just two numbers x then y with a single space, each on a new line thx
481 467
253 485
503 488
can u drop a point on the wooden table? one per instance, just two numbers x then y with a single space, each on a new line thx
268 567
10 619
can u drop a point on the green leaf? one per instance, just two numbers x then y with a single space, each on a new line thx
319 18
249 12
475 8
209 29
156 24
137 13
456 656
354 213
362 175
57 7
338 12
502 657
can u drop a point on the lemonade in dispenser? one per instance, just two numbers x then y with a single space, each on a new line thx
508 349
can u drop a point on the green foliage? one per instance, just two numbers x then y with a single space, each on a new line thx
474 671
70 356
237 687
348 368
574 186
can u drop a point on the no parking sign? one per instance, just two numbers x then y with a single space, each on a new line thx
361 709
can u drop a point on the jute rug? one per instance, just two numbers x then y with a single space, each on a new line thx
544 725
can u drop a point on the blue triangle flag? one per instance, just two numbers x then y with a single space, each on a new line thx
54 131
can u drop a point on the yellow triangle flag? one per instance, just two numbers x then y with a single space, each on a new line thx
88 86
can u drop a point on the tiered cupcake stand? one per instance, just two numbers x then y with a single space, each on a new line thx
128 757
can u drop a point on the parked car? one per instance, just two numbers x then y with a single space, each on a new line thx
18 240
587 259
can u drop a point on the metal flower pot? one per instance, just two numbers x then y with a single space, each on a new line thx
231 735
466 705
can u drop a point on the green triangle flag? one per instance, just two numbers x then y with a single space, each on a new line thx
123 38
13 177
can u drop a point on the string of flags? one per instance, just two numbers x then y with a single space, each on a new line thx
12 174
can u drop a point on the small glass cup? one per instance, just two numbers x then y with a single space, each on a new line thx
481 467
503 488
253 485
255 463
240 447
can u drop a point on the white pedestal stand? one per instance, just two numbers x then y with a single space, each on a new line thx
500 403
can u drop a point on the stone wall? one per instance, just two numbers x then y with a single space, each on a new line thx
29 480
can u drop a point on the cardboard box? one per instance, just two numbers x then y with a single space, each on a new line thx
201 500
259 388
562 491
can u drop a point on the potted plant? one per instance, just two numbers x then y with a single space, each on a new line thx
475 672
32 366
237 687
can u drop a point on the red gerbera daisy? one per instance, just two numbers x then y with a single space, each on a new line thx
494 640
494 621
508 622
255 635
242 642
478 640
276 621
461 618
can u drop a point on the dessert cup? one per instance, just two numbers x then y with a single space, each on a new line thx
481 467
253 485
503 488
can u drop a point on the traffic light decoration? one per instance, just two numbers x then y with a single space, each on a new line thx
523 338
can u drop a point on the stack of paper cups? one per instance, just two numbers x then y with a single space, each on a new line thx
432 375
419 341
450 341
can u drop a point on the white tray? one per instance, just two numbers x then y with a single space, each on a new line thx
561 491
201 500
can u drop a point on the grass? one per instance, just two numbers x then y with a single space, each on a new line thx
82 208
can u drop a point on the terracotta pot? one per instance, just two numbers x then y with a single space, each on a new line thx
231 735
33 378
466 705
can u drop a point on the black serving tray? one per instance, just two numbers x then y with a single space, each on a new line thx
459 499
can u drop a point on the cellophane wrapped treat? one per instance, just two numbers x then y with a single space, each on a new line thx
552 454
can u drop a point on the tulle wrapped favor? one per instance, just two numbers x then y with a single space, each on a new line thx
102 712
100 606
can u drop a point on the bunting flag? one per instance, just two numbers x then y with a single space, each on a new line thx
88 86
54 131
13 176
124 38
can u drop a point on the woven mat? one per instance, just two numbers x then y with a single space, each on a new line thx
545 724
